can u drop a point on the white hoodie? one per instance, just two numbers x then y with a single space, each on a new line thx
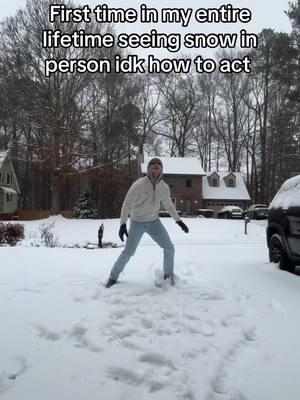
142 201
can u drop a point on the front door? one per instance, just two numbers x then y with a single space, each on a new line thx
188 206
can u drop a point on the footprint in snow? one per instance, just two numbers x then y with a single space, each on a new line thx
119 313
136 379
120 332
45 333
156 359
125 375
12 369
250 333
79 333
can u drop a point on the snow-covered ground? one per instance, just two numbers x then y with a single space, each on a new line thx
228 330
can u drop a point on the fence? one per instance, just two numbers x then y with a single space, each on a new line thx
30 215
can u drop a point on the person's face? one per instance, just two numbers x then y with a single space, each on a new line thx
155 169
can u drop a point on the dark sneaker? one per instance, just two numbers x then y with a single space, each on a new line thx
170 277
110 283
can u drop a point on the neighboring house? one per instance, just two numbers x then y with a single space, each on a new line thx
9 187
184 177
224 189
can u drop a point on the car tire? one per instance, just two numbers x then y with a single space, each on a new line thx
278 254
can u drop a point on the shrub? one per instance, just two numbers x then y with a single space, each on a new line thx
2 232
48 235
11 233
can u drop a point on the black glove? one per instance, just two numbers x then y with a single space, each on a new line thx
122 232
183 226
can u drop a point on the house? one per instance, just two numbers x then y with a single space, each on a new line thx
184 177
224 188
193 189
9 187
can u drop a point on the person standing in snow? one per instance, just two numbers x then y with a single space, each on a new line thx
142 203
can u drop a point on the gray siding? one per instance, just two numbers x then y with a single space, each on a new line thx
8 205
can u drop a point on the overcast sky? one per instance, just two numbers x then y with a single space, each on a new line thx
265 14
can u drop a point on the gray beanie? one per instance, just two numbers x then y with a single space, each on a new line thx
149 174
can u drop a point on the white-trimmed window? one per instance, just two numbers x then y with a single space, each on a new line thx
214 180
230 180
8 197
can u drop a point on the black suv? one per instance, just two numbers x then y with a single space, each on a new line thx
283 230
257 211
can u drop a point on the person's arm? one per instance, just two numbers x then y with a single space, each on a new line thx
129 202
170 207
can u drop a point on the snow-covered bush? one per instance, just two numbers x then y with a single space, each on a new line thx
85 207
47 234
2 232
11 233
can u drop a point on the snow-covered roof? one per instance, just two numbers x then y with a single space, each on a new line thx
222 192
177 165
288 195
3 155
8 190
231 208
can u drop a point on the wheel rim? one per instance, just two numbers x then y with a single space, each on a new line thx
276 253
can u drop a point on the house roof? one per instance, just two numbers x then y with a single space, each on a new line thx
177 165
3 155
8 190
222 192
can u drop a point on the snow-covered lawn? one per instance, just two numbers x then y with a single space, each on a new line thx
228 330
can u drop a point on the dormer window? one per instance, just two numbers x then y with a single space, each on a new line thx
213 180
230 180
8 179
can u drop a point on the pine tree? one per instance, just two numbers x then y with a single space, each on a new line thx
294 15
85 207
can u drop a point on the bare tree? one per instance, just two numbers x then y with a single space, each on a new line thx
179 102
230 115
51 102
